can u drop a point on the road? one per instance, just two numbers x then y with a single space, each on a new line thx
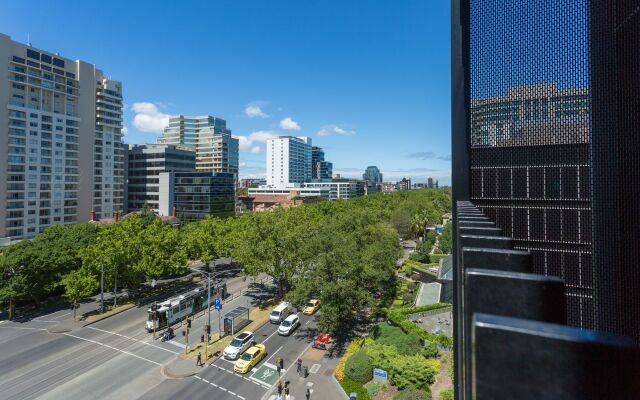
218 381
117 359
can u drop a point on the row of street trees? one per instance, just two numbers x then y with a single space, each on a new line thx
340 252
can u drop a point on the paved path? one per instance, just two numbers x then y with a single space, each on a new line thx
429 293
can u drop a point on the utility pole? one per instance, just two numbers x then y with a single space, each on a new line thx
115 290
102 287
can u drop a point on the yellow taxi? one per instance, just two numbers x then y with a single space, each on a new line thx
250 358
311 307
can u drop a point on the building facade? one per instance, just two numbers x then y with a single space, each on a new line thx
321 169
63 128
530 173
216 150
339 189
288 160
372 174
197 195
145 164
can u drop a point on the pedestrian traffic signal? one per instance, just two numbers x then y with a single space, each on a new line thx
207 328
188 323
202 338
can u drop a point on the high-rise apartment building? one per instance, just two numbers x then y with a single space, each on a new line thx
216 150
146 163
288 160
62 126
320 168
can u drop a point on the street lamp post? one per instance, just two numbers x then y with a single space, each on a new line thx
102 287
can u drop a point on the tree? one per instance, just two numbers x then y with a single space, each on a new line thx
445 239
205 240
78 285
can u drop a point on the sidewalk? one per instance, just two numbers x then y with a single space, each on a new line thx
321 381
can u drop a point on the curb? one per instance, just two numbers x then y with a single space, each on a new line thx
335 382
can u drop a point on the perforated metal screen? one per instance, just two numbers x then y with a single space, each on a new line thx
530 128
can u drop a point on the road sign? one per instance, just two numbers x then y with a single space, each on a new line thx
379 375
217 304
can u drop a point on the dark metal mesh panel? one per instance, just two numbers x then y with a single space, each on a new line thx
530 127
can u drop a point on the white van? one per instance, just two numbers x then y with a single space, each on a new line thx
280 313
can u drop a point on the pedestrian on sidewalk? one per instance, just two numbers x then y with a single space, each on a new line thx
199 360
308 393
299 365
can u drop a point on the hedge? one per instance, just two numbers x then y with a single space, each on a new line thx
435 258
412 393
350 386
351 349
398 317
446 394
358 367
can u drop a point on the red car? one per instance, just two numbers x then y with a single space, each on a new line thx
322 342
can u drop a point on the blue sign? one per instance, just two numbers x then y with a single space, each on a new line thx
379 375
217 304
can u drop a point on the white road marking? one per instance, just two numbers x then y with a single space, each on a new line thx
130 338
113 348
177 344
60 316
23 327
307 323
45 320
274 353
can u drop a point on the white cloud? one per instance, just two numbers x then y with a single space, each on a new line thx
124 130
249 144
149 118
289 124
331 129
254 110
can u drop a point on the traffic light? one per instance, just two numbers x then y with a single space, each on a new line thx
184 333
202 338
207 329
188 323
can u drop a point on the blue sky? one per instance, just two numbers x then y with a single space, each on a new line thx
368 80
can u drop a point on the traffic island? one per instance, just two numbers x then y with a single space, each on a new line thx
184 365
94 316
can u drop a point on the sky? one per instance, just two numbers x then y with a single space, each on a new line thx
369 81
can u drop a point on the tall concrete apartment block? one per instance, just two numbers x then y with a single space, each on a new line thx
288 160
146 163
61 129
216 150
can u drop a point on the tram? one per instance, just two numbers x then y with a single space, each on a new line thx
169 312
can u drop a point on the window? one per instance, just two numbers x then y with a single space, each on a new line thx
58 62
33 54
45 58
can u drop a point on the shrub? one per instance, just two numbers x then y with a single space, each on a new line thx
404 344
413 393
398 318
374 387
407 298
415 276
404 370
411 286
349 386
447 394
430 351
358 367
351 349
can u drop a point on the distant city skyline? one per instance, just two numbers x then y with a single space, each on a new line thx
367 96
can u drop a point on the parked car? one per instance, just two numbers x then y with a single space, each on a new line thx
250 358
238 345
311 307
323 342
289 325
280 313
